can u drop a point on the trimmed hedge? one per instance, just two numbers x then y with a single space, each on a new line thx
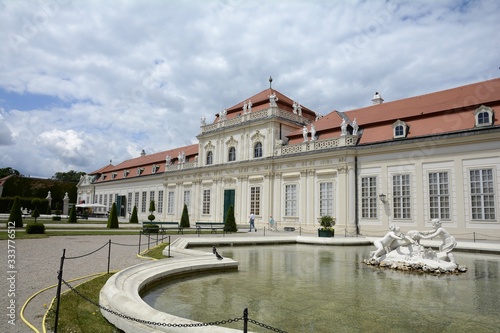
35 228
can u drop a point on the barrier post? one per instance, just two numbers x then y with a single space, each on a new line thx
245 320
109 254
139 249
59 277
169 246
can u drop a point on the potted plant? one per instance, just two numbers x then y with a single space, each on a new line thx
327 222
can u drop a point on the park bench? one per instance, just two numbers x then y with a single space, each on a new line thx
212 226
162 227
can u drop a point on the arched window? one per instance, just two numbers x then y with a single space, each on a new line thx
484 116
399 129
209 158
257 150
232 154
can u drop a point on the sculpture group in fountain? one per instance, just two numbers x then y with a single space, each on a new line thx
404 252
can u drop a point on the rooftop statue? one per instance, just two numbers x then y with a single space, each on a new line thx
404 251
273 99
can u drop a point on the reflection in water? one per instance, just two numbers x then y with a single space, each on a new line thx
304 288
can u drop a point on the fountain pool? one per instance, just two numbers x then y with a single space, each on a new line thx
304 288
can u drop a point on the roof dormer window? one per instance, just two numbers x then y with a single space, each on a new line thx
483 116
140 171
113 175
399 129
155 168
125 173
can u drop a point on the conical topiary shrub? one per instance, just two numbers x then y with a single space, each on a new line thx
16 215
185 218
113 218
72 215
134 218
230 223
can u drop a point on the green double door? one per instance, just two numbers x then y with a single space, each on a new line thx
228 201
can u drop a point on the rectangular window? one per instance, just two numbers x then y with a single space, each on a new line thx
144 201
136 200
129 202
326 199
206 201
152 196
187 200
401 196
255 200
291 200
439 196
159 208
170 202
369 197
482 194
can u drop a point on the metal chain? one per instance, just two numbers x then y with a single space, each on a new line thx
148 322
266 326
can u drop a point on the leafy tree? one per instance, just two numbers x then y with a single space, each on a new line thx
152 208
185 218
134 218
4 172
230 223
16 215
72 215
35 203
113 218
70 176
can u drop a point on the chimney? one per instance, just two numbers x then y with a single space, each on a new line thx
143 153
377 99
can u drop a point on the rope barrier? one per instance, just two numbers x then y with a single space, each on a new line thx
84 255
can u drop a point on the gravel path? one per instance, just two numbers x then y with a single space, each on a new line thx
37 262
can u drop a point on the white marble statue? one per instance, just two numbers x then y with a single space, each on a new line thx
273 99
355 127
299 109
245 107
203 121
304 133
249 106
313 132
404 251
294 106
168 160
343 128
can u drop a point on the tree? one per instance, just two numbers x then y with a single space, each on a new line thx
152 208
35 202
70 176
4 172
134 218
185 217
230 223
113 218
72 215
16 215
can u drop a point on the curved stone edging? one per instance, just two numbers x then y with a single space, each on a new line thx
121 293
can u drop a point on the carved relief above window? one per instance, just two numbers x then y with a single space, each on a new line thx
483 116
399 129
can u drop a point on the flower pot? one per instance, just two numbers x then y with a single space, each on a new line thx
326 233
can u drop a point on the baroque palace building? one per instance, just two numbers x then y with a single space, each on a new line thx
405 162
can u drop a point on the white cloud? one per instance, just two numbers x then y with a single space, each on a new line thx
135 75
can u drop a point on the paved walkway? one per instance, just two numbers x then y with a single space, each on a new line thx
37 262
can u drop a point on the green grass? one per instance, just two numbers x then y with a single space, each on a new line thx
79 315
76 314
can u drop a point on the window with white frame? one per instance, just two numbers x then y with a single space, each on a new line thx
206 202
129 202
257 150
483 116
401 196
144 201
187 199
482 191
369 195
159 208
255 200
399 129
105 203
439 195
136 200
291 200
326 199
232 154
152 196
170 202
210 157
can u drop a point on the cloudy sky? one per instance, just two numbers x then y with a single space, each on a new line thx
86 82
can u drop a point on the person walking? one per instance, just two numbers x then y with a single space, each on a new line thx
271 223
252 222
